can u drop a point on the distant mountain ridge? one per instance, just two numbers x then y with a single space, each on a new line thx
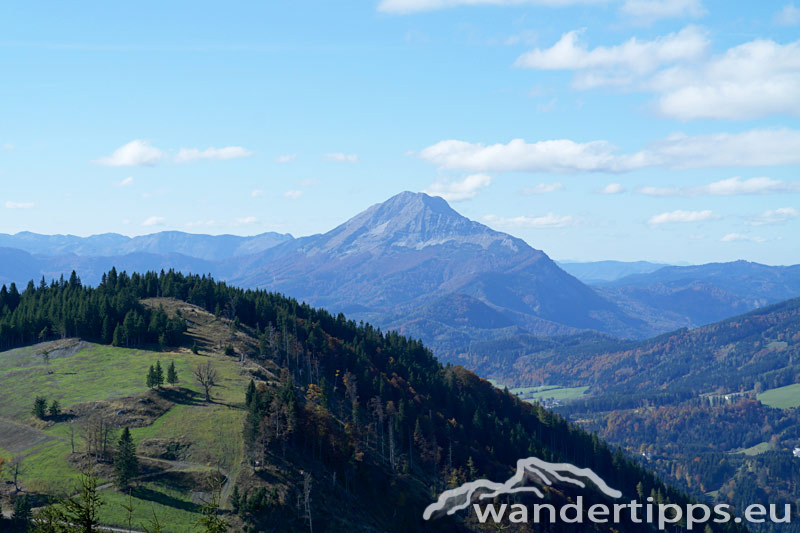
207 247
414 264
701 294
592 272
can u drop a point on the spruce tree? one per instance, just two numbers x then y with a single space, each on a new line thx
235 499
118 337
83 510
159 374
151 377
172 374
22 512
126 466
250 394
54 409
40 407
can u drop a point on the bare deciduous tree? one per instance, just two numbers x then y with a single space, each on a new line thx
96 433
72 436
307 499
15 468
206 376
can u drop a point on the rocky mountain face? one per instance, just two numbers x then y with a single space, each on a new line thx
395 262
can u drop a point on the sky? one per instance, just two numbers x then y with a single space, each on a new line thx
663 130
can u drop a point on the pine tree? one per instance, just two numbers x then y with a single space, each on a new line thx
235 499
151 377
40 407
54 409
172 374
118 337
250 394
159 374
126 466
22 512
210 520
83 510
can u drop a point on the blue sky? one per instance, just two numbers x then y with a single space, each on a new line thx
600 129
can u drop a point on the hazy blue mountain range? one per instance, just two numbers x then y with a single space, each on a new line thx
591 272
208 247
414 264
696 295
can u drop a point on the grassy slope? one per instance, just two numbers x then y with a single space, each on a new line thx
543 392
89 373
782 397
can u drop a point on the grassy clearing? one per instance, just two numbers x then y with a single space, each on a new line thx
98 372
95 372
758 449
542 392
89 373
782 398
519 391
562 394
173 508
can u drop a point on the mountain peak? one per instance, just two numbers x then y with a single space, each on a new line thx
412 221
418 201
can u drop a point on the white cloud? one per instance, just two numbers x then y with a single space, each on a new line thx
186 155
788 16
243 221
343 158
649 10
775 216
751 80
746 149
19 205
293 194
543 188
8 146
257 193
154 221
286 158
681 216
727 187
403 7
127 182
456 191
732 237
550 220
310 182
616 65
561 155
135 153
612 188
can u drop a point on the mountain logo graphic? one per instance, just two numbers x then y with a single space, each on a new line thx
528 470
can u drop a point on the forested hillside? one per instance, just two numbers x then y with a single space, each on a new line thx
713 410
371 422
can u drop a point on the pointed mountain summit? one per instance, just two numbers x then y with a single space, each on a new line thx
410 220
411 260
